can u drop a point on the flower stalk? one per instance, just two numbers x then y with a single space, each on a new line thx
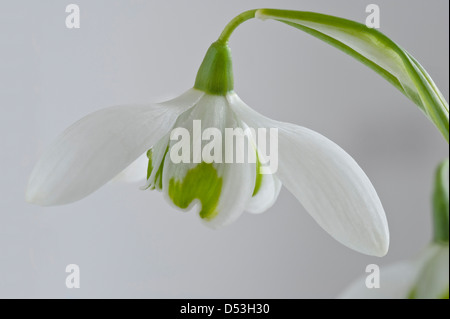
233 24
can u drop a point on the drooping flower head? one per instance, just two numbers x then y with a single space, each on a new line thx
325 179
200 175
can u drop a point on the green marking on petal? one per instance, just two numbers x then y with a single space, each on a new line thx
157 179
445 295
158 175
259 176
202 183
150 164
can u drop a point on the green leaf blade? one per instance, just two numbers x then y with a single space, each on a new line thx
376 51
441 203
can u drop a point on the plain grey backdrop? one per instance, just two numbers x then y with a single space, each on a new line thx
131 243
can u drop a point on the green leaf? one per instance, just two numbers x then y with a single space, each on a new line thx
378 52
441 203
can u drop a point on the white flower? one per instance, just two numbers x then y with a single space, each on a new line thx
426 277
324 178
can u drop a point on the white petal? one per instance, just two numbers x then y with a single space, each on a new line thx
99 146
237 179
328 182
266 195
237 189
396 282
270 186
135 172
333 189
433 280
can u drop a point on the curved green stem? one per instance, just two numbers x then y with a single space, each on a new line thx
375 50
233 24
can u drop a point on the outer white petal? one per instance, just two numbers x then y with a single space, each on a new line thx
396 282
333 189
328 182
135 172
99 146
238 179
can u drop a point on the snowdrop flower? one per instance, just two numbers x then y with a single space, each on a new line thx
424 277
323 177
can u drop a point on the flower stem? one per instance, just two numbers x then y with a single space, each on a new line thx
233 24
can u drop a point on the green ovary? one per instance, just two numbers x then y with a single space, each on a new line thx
202 183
